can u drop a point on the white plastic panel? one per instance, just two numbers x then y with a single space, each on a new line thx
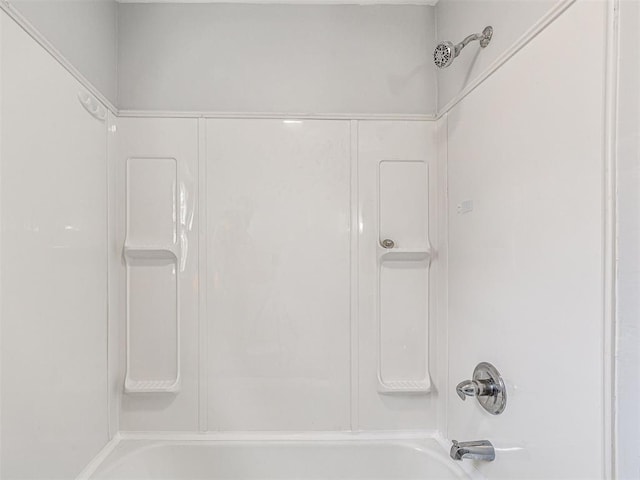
153 353
152 253
156 162
404 204
397 199
278 252
53 267
525 264
404 314
151 202
403 285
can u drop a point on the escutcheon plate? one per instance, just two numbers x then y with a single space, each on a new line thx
497 401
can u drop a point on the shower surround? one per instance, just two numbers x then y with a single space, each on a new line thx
275 270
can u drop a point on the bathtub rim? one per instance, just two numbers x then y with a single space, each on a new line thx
428 442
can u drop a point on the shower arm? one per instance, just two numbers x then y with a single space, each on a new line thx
484 38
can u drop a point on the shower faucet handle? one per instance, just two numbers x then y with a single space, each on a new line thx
488 388
475 388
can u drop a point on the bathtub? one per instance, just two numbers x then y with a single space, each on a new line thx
406 459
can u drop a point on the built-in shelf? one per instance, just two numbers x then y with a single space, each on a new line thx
404 386
403 277
151 253
167 253
152 386
406 254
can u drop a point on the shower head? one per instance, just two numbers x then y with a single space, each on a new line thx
445 52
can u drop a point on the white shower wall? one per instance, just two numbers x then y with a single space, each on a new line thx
54 266
309 368
268 261
278 274
157 139
278 316
526 156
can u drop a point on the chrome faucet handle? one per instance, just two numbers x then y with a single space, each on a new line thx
475 388
465 389
488 388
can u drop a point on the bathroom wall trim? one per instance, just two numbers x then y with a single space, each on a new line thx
203 319
278 115
610 239
523 41
267 436
297 2
354 392
23 23
99 458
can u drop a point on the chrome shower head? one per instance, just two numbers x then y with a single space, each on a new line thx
445 52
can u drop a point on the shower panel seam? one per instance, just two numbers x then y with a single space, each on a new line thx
442 299
354 297
407 117
203 340
609 240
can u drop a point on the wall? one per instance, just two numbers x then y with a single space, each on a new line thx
53 269
278 294
458 18
526 262
628 309
399 288
84 32
154 352
276 58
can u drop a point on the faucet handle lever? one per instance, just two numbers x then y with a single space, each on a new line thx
476 388
468 388
487 386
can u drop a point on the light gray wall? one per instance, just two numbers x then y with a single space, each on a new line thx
84 32
628 212
456 19
277 58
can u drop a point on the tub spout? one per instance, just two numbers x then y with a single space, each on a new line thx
475 450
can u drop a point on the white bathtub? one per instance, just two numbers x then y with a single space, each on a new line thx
277 459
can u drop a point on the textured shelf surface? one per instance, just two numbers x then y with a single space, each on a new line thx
404 386
151 386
